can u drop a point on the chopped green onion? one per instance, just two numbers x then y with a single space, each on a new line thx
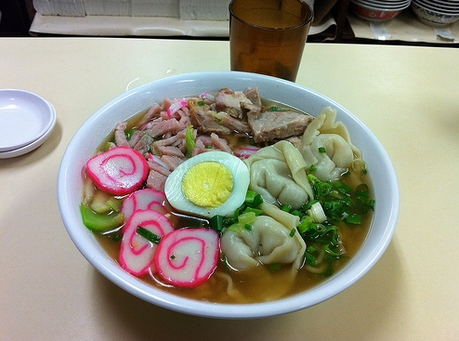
108 145
190 140
292 232
355 219
274 267
254 210
247 218
342 188
253 199
117 237
275 108
243 217
201 103
286 207
311 259
237 227
322 150
316 212
216 223
338 203
148 235
130 133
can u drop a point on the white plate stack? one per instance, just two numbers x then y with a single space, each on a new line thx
436 13
26 119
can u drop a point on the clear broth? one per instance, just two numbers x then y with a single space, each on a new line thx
260 284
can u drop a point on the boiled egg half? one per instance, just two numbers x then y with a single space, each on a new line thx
208 184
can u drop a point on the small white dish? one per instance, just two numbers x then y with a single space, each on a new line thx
34 144
25 117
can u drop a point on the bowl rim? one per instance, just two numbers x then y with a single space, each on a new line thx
437 11
373 6
84 239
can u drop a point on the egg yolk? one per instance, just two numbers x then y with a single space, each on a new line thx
208 184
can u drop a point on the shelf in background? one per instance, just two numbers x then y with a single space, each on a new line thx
405 28
144 26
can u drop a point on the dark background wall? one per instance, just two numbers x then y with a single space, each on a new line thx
17 15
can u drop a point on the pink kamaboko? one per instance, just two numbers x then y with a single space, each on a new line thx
118 171
137 253
187 257
143 199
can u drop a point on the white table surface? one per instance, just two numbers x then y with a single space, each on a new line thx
408 96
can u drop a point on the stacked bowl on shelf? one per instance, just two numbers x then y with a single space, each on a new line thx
436 13
378 10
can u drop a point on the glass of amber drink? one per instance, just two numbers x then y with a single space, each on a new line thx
268 36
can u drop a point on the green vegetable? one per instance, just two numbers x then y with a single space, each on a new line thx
148 235
253 199
316 212
236 227
334 203
100 223
247 218
322 239
274 267
117 238
286 207
190 140
275 108
131 132
104 203
312 253
216 223
340 202
244 221
242 218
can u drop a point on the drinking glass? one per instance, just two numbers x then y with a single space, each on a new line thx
268 36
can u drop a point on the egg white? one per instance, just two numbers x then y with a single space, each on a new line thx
241 180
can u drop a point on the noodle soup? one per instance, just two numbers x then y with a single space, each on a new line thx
324 245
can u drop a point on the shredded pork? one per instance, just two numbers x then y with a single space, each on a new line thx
161 134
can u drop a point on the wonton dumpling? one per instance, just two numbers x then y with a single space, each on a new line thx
334 137
278 173
268 242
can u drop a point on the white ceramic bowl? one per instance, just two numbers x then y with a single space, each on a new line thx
384 5
437 7
100 124
432 17
374 12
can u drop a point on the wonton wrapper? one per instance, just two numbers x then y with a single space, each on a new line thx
278 173
325 132
268 242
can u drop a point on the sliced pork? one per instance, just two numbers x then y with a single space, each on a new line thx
229 101
273 125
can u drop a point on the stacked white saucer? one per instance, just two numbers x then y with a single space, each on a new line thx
26 119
